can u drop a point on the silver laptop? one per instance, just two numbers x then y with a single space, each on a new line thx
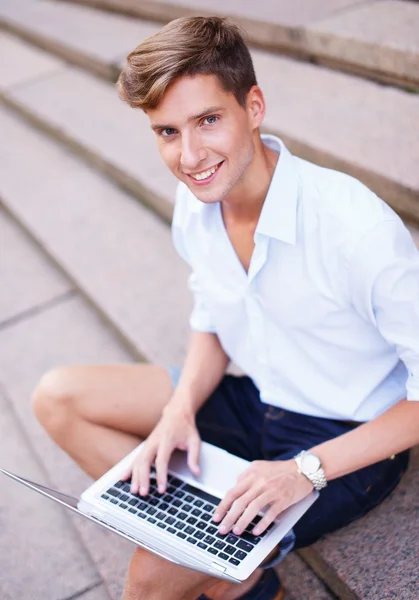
178 525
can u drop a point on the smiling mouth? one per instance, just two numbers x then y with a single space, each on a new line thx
203 175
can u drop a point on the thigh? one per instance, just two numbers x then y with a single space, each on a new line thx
128 398
232 418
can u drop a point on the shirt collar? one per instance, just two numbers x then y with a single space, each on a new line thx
278 218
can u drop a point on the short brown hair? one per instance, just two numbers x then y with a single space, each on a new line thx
188 46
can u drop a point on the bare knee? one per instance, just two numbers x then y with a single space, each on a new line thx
147 574
54 398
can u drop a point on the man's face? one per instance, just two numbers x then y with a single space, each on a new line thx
204 136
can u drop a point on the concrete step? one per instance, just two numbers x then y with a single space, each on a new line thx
374 39
333 119
55 334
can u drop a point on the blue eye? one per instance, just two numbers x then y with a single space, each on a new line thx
168 132
211 119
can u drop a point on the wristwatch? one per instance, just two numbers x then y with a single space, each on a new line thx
310 465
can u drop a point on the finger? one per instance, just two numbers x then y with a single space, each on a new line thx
268 518
127 474
194 446
252 510
238 490
237 509
141 472
162 462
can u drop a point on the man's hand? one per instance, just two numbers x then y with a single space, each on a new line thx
175 430
273 485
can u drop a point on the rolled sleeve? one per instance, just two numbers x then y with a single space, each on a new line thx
200 319
384 278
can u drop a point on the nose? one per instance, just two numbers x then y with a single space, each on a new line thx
192 152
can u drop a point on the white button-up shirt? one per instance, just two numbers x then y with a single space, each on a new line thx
326 321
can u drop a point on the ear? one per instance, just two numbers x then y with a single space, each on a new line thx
256 107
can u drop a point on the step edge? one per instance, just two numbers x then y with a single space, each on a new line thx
281 39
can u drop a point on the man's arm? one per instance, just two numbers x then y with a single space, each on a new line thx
392 432
204 367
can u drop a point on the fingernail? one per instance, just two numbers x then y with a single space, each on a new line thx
256 531
237 530
161 488
216 516
223 529
143 491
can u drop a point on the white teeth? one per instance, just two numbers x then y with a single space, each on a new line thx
204 174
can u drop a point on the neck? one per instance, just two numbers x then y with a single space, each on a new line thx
245 204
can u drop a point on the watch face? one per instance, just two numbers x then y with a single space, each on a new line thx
310 463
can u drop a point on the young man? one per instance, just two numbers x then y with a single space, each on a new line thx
301 276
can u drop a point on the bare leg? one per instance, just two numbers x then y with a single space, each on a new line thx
146 572
98 414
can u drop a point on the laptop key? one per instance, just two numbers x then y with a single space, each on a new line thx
196 513
191 540
161 515
171 530
142 515
123 497
199 503
177 503
186 507
220 545
202 545
153 501
191 520
175 481
201 494
231 539
172 511
212 551
234 561
151 510
132 510
179 494
189 530
151 520
208 507
179 524
206 517
167 498
170 520
249 537
242 545
201 525
199 535
211 530
122 505
230 549
134 501
240 554
113 492
223 556
181 535
163 506
189 499
182 516
119 484
161 525
105 496
209 539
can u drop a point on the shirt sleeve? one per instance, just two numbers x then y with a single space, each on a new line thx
200 318
384 284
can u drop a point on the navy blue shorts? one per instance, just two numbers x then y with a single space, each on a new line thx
235 419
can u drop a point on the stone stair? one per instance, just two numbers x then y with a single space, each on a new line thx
374 39
117 254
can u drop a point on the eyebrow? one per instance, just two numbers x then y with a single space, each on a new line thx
207 111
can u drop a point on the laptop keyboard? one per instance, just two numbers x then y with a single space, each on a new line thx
186 512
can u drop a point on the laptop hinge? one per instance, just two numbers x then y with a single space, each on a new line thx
218 567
